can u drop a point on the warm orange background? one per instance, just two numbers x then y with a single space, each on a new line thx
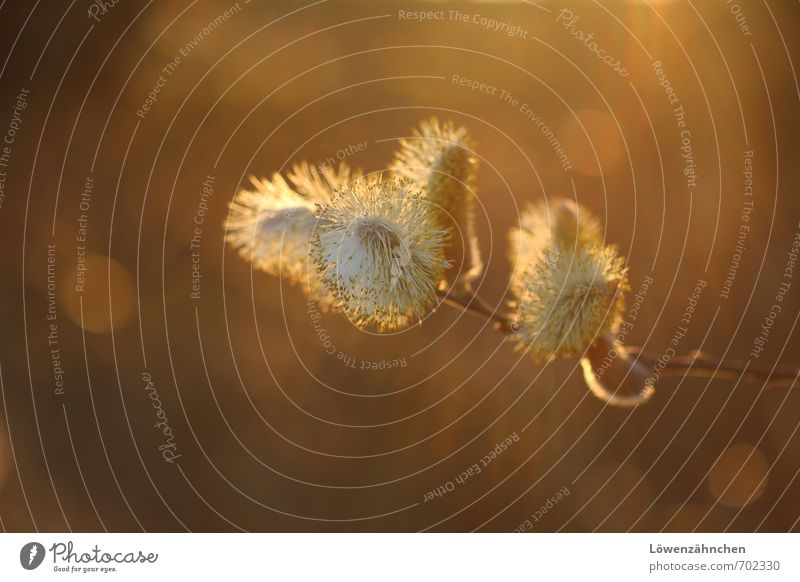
270 427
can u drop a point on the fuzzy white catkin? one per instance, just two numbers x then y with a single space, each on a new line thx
543 228
568 288
272 224
438 159
380 252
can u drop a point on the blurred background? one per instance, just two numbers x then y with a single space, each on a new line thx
151 380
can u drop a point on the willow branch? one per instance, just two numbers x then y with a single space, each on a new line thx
475 305
695 364
703 365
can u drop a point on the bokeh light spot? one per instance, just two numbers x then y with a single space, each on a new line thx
739 476
592 141
100 315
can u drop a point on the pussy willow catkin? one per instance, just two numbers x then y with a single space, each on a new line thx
568 287
439 159
380 252
272 223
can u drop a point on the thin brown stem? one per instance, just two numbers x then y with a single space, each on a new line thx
695 364
701 364
473 304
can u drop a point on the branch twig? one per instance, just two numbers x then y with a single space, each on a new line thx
701 364
695 364
475 305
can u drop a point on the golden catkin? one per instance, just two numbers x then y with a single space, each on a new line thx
562 224
439 159
271 224
380 252
568 288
